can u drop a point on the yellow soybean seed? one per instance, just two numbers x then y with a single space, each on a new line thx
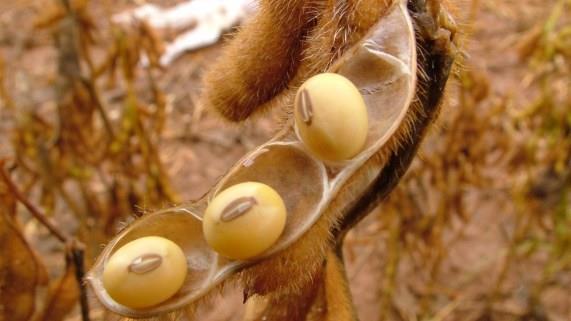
244 220
145 272
331 117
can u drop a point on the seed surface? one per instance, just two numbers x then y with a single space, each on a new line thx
145 272
331 117
244 220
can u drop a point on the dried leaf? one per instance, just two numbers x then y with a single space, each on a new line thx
63 295
21 273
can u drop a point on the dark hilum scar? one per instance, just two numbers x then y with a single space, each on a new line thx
305 107
237 208
145 263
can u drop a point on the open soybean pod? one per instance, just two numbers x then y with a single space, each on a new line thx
383 68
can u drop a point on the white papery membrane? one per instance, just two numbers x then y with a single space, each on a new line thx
383 67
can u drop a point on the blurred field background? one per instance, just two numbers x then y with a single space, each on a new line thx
479 229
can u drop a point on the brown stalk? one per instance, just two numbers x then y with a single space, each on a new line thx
36 212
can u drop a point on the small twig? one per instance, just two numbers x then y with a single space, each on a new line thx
90 85
77 253
37 213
